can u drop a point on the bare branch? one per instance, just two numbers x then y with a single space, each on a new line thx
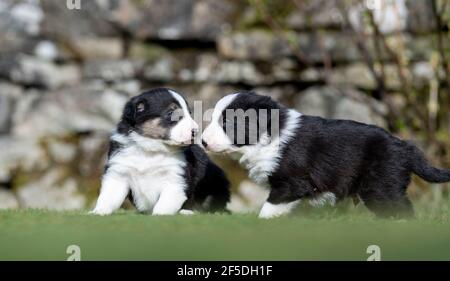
276 27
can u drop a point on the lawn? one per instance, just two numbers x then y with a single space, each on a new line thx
321 235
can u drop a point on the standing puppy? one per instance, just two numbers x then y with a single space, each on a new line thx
321 160
152 158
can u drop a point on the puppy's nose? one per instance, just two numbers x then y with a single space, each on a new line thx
204 144
194 132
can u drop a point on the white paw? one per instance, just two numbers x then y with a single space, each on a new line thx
100 212
269 211
163 212
186 212
268 216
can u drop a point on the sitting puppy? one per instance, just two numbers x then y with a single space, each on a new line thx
152 159
316 159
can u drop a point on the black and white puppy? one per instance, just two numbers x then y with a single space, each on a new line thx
317 159
152 158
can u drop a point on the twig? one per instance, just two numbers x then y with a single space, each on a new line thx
275 26
326 59
441 48
404 81
365 54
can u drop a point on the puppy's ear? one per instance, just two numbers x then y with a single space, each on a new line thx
129 113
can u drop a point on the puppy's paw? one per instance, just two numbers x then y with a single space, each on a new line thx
100 212
186 212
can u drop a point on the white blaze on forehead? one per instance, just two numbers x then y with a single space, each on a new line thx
214 135
182 131
221 105
181 101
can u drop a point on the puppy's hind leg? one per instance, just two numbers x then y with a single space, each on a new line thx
384 207
113 192
387 200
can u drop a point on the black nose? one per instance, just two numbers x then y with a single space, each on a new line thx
194 132
204 143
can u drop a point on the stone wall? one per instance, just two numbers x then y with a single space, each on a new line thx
65 75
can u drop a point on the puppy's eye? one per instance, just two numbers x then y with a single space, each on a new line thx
169 114
140 107
174 115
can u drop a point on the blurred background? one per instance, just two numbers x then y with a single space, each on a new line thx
68 67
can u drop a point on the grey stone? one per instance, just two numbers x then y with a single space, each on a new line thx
210 18
262 45
231 72
184 19
47 50
341 103
111 104
20 152
128 87
93 48
390 16
207 64
122 13
208 93
282 93
109 70
162 69
358 75
9 94
423 72
92 148
90 21
420 16
52 191
253 45
420 48
19 23
312 74
70 110
21 17
24 105
285 69
8 200
30 71
60 151
339 47
315 14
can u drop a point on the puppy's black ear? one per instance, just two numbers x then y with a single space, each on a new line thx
129 113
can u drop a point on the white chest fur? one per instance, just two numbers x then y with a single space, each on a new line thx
261 159
149 172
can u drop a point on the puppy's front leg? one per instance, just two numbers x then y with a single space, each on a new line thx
270 210
280 202
113 192
170 201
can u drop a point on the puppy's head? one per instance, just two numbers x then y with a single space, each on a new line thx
241 120
161 114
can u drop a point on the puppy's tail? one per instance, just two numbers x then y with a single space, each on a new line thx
423 169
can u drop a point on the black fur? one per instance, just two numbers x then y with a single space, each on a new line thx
205 179
347 158
246 101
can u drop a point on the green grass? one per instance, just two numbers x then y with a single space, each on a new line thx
321 235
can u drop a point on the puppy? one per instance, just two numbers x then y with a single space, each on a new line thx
152 160
316 159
